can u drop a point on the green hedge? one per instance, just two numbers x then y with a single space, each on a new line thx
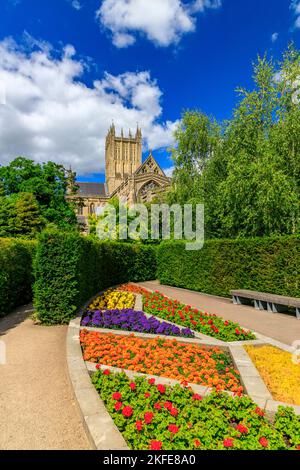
70 269
16 273
263 264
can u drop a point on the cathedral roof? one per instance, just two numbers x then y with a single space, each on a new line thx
92 189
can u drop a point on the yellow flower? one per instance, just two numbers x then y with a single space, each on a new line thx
281 375
113 299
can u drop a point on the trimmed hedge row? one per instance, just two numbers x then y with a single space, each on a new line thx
16 273
70 269
264 264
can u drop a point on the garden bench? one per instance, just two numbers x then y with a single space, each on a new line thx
263 301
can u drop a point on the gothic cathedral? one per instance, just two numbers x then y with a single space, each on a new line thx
125 173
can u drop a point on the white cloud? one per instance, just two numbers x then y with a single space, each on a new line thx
161 21
76 4
295 5
274 37
169 171
50 114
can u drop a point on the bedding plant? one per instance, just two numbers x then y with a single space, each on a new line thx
163 357
158 417
131 320
113 299
281 375
208 324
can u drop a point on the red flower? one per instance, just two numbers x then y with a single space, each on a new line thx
242 429
155 445
117 396
161 388
228 442
168 405
184 383
157 406
226 323
132 385
264 442
118 405
237 331
148 417
127 411
151 381
298 447
197 443
98 366
147 395
259 411
139 425
196 397
174 412
106 372
173 429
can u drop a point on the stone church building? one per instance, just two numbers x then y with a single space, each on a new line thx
125 174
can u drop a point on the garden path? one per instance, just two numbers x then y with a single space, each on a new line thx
281 327
36 405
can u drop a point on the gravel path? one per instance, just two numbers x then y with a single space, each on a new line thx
281 327
37 410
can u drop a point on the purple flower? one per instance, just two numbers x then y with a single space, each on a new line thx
130 320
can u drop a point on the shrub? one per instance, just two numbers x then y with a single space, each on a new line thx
70 269
16 273
262 264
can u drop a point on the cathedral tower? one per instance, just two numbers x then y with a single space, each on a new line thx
123 156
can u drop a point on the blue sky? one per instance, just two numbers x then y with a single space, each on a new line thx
71 66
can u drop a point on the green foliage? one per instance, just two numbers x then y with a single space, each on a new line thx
47 182
16 273
262 264
247 171
70 269
200 424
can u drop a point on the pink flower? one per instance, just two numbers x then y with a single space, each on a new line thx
157 406
127 411
173 428
148 417
228 442
196 397
264 442
242 429
117 396
118 405
174 412
168 405
161 388
139 425
155 445
132 385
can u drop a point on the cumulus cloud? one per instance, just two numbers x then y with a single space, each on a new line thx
274 37
48 113
296 7
161 21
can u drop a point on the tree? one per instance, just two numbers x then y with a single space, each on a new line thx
247 172
28 221
47 182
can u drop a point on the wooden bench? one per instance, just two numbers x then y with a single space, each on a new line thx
263 301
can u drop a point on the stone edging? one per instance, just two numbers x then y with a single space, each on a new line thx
98 424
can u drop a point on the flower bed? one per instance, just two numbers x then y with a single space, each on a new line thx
156 417
211 325
277 369
113 299
130 320
133 288
168 358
